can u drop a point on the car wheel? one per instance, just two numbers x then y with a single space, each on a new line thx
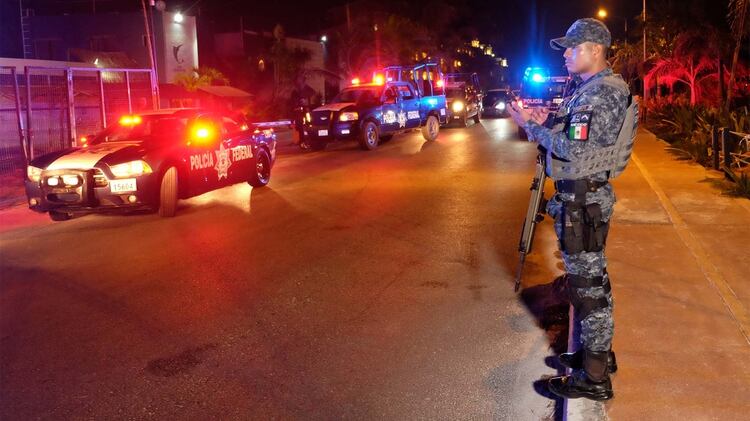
168 193
522 133
431 129
478 117
260 175
369 137
59 216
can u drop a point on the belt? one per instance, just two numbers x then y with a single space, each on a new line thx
569 186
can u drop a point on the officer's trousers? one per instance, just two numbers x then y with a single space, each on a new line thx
597 325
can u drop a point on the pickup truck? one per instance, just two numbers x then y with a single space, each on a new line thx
398 100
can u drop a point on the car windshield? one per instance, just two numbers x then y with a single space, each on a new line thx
454 92
495 95
542 90
557 89
358 95
163 129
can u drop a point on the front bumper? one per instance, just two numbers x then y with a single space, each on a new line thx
93 193
340 130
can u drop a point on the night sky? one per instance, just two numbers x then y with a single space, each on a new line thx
518 29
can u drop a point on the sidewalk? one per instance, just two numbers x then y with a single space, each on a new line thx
679 257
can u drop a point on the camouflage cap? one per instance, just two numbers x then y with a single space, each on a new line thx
583 30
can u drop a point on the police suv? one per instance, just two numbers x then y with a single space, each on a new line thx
464 97
393 103
150 161
540 90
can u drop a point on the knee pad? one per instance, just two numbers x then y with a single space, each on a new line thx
584 306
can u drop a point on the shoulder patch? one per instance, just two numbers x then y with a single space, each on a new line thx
578 128
582 108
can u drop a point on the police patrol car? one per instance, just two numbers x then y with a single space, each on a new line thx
150 161
396 101
540 90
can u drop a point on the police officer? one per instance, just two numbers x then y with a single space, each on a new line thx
588 120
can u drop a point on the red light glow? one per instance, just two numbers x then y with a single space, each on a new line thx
130 120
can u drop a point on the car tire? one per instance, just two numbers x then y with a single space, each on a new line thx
369 136
260 175
478 117
386 137
168 193
431 129
522 133
59 216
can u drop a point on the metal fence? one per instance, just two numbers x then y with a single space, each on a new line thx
730 152
46 109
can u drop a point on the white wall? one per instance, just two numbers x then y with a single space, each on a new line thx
180 45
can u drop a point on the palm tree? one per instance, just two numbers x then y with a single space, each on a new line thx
693 62
198 77
738 20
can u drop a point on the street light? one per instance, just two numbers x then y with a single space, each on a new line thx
178 18
324 38
602 14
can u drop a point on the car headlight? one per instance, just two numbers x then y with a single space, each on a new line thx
457 106
33 173
131 169
348 116
500 106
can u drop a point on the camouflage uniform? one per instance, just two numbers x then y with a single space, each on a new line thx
587 121
607 107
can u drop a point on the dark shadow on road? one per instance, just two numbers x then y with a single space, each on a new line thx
549 307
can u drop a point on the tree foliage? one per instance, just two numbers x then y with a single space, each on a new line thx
198 77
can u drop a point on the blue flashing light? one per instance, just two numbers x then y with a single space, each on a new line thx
537 78
432 101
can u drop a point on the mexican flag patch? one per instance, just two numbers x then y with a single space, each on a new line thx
578 129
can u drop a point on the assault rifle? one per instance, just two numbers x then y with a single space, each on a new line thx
534 213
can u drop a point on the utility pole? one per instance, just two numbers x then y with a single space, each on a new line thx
151 58
645 88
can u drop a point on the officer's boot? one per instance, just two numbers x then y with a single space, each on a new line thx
574 360
592 382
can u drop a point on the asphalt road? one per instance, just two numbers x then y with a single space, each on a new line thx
357 285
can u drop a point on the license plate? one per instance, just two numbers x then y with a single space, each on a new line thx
322 132
119 186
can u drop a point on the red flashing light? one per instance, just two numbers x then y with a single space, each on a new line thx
355 81
378 80
202 133
130 120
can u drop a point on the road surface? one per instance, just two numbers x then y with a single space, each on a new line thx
357 285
